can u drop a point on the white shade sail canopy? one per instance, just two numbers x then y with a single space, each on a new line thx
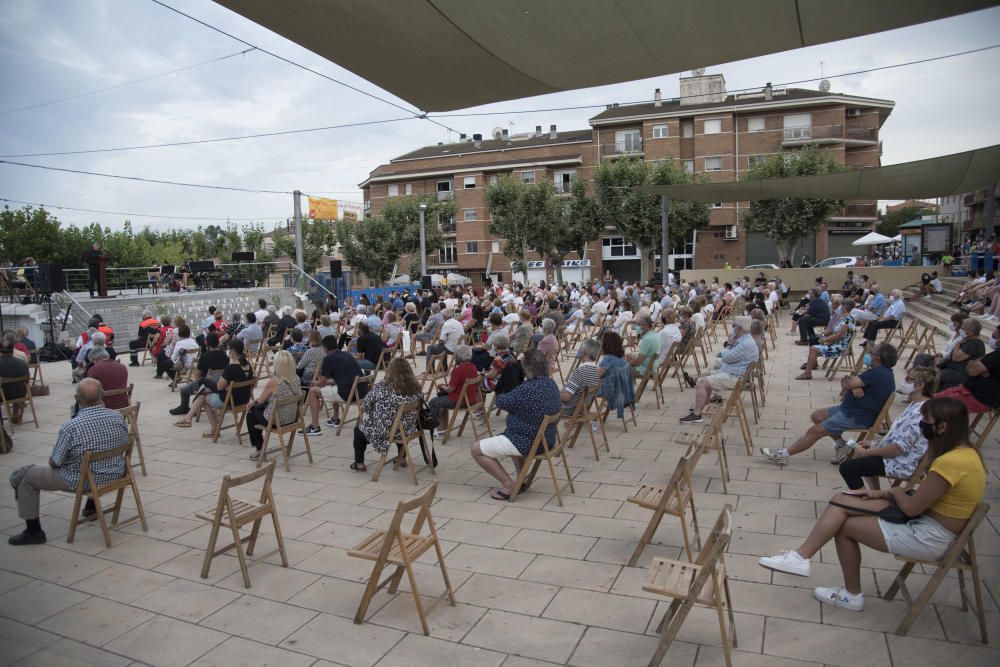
458 279
451 54
403 279
934 177
897 238
872 238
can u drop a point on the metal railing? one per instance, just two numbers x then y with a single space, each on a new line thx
815 132
626 147
227 276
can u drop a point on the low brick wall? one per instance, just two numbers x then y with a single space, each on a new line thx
800 280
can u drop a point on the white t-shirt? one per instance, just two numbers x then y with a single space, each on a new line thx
669 334
260 315
600 308
699 321
772 300
451 334
936 284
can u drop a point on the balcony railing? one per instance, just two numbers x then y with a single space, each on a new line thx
626 147
813 133
564 188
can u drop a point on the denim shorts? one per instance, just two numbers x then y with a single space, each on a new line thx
837 422
215 401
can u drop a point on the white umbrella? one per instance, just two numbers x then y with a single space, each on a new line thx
872 238
402 279
458 279
435 279
897 238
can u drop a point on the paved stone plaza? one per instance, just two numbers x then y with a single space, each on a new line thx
535 583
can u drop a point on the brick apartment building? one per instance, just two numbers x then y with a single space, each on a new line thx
709 130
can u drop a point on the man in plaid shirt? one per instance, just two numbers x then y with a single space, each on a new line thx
93 429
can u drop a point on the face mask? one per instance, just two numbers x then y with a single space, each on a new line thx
907 387
993 343
927 430
953 326
867 359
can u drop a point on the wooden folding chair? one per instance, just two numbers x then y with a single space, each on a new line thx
604 412
709 438
393 547
685 583
649 377
291 429
131 416
124 391
398 436
698 341
233 513
470 411
88 487
688 352
17 405
436 373
262 360
960 556
670 366
183 371
533 460
384 357
35 368
229 407
147 349
882 422
733 406
355 400
672 499
583 417
842 363
978 431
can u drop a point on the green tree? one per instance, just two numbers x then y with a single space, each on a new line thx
890 222
29 232
403 215
369 246
685 216
635 215
786 222
504 199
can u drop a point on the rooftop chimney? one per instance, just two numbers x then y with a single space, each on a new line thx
657 98
538 130
552 132
505 133
461 137
768 91
477 140
703 89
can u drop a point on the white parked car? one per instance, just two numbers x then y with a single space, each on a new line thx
838 263
761 267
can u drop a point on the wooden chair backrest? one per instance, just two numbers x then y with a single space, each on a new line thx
124 391
463 397
680 481
272 421
539 440
89 457
423 502
397 434
230 482
958 547
228 403
718 538
26 380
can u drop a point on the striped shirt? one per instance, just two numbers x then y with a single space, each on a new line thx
583 376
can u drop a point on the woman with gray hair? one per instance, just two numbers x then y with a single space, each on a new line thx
833 344
527 406
584 376
449 394
549 344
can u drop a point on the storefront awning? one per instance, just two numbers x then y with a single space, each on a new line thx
451 54
934 177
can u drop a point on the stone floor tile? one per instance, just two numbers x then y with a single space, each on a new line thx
259 619
601 647
458 509
512 595
54 565
478 533
188 566
341 641
833 645
20 641
10 580
239 651
144 552
962 626
616 612
533 519
711 656
619 552
573 573
420 651
920 652
68 653
270 581
525 636
486 560
186 600
444 621
775 601
551 544
96 621
166 642
36 601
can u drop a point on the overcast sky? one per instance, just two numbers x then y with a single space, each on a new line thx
60 48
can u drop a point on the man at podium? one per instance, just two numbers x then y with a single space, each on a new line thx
93 260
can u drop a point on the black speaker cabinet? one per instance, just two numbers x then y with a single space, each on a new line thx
425 282
336 269
50 278
243 256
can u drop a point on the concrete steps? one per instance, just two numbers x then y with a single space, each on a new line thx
936 311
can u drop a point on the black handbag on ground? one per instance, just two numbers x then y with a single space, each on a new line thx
426 419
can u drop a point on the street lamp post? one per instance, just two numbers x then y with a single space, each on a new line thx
423 243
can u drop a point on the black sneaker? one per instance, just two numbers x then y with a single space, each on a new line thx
134 364
333 422
25 537
690 380
178 411
691 418
311 430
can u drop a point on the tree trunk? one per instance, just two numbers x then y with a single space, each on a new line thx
784 250
644 263
524 260
557 265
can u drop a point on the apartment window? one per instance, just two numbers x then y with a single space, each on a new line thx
755 124
528 177
628 141
717 204
444 186
564 180
798 120
493 179
408 188
688 166
448 226
754 160
713 126
661 131
687 130
471 247
617 246
468 214
494 246
469 182
394 190
448 254
713 164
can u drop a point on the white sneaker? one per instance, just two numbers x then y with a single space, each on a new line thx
789 562
841 452
774 455
839 597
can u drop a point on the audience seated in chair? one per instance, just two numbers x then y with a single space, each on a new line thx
111 374
333 384
740 350
148 327
449 394
238 369
921 526
12 367
864 397
283 384
398 387
526 406
648 351
584 376
981 391
833 343
93 429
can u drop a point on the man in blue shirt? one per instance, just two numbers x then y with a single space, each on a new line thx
739 352
864 397
873 310
891 319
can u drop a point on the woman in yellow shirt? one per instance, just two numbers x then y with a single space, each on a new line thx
921 526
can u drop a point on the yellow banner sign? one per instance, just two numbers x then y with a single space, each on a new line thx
350 216
323 209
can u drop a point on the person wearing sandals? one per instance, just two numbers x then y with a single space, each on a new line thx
398 388
239 370
526 406
283 384
921 526
832 344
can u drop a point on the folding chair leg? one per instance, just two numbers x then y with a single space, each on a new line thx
213 538
647 537
238 547
101 520
914 609
977 591
370 589
416 596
